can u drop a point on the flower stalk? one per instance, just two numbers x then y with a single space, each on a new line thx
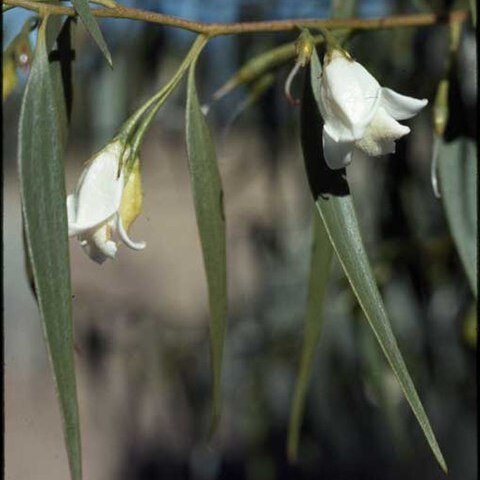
440 108
133 130
303 48
159 99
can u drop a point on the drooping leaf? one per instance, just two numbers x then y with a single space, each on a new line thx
208 200
42 187
319 272
332 196
62 60
457 168
60 56
55 40
83 9
377 378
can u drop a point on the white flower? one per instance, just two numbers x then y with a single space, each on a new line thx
358 113
103 204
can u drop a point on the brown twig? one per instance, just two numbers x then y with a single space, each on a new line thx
214 29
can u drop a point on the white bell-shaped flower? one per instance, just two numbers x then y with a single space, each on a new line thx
358 113
104 204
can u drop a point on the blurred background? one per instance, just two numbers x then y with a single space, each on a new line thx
141 321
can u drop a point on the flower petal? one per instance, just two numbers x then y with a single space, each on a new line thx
385 127
99 192
401 107
71 211
349 98
337 154
99 255
73 227
99 246
375 148
80 229
380 135
126 239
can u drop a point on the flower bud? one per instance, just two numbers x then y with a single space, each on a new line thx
304 48
106 202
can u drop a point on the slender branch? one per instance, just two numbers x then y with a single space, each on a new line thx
163 94
213 29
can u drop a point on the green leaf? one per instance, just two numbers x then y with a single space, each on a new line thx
63 64
59 46
83 9
457 168
332 196
42 187
320 261
473 12
208 200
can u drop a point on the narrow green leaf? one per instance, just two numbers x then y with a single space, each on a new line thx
42 187
59 46
457 168
208 200
332 196
376 378
473 12
63 63
83 9
319 272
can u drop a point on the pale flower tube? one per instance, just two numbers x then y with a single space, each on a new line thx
103 204
359 114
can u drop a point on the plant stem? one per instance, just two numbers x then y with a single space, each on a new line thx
214 29
158 99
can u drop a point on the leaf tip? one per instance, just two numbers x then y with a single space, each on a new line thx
438 455
213 423
292 452
110 62
108 57
442 463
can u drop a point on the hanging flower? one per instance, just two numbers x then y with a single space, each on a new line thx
359 114
104 204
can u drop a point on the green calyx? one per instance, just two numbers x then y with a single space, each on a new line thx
304 47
